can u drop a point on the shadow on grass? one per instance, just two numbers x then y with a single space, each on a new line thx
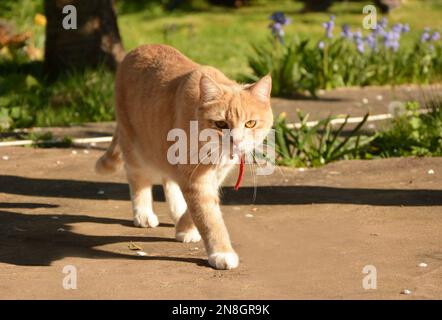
156 6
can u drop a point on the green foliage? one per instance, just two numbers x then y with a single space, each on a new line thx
299 66
285 64
27 100
411 134
22 12
47 140
315 145
415 132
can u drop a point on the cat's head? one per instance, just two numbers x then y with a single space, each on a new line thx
244 110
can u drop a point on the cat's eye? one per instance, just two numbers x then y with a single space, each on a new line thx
250 123
221 125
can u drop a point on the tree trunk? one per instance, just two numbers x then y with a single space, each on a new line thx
387 5
229 3
316 5
95 41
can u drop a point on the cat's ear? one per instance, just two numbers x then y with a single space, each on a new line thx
209 89
262 88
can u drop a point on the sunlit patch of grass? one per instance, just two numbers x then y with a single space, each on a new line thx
222 38
209 35
27 99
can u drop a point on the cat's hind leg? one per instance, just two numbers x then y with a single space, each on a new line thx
186 230
141 196
175 199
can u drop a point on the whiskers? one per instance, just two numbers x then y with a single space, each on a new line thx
209 154
273 146
251 159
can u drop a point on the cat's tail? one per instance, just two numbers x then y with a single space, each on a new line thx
111 160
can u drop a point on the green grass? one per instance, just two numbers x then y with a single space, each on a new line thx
410 133
222 37
27 100
209 35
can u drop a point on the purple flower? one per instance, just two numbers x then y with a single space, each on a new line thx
321 45
279 20
358 35
391 40
384 23
397 28
405 28
328 26
346 32
381 27
279 17
359 41
425 36
277 31
360 46
371 41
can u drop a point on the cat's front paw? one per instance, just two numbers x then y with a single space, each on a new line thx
188 236
146 220
224 260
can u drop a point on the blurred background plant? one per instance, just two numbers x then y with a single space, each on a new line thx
351 59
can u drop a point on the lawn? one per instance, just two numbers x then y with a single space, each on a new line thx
222 37
210 35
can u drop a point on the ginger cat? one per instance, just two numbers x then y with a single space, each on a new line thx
157 90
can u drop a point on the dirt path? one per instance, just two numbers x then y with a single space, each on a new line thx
309 236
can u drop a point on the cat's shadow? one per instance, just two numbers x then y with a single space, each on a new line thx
38 240
265 195
32 239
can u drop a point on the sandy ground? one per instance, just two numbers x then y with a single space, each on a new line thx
308 234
